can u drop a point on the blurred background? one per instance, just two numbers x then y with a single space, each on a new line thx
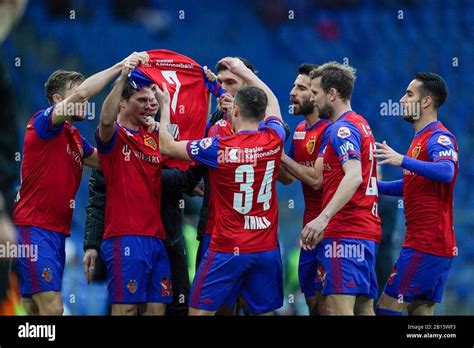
386 41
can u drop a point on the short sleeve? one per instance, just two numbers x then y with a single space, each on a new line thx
441 147
346 141
43 124
106 147
324 141
87 148
204 151
274 123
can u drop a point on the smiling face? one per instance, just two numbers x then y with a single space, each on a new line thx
320 99
142 103
300 96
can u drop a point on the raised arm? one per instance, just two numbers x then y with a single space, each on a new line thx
237 67
90 87
111 106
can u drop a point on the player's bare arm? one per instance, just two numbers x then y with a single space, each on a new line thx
90 87
168 146
312 176
237 67
111 106
313 231
285 177
92 161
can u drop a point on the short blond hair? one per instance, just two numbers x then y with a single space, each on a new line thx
338 76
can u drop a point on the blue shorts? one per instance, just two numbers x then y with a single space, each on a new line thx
308 275
206 241
42 268
347 267
221 277
138 270
418 276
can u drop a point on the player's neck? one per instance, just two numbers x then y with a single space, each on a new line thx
311 119
418 125
125 122
244 125
340 109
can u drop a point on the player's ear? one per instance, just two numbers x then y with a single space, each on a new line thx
332 94
123 103
426 102
57 98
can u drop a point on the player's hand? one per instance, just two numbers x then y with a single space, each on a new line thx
132 61
89 264
226 102
210 76
198 190
236 66
387 154
313 232
151 124
142 57
162 95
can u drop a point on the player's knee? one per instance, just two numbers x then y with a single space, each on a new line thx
124 310
54 308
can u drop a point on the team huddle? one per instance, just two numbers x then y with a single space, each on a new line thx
240 154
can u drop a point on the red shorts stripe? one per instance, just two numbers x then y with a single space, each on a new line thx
196 296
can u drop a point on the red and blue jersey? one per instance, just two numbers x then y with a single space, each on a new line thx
244 167
308 143
222 128
51 172
429 203
185 81
351 138
132 167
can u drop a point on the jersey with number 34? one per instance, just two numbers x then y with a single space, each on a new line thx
243 171
351 138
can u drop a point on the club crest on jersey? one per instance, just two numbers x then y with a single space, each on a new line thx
150 142
415 152
311 144
47 274
166 289
444 140
205 143
343 132
132 286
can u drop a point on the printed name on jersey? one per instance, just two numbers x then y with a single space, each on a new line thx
449 153
150 142
346 147
311 144
205 143
299 135
343 132
415 152
444 140
256 223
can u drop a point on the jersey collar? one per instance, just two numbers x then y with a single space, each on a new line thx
429 125
314 125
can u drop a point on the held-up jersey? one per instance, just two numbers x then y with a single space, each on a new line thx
428 203
189 95
132 167
307 145
243 180
222 128
51 172
351 137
